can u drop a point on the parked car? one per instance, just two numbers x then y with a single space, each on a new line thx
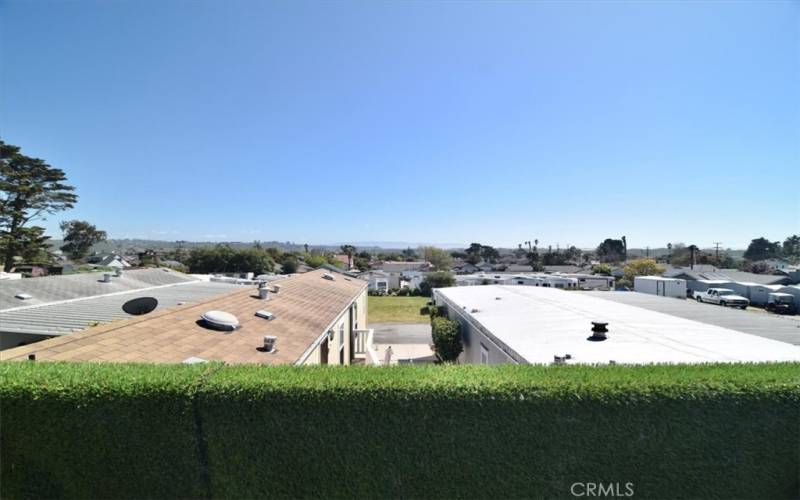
723 297
781 303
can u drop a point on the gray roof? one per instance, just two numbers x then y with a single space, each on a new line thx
73 286
711 273
74 315
563 269
395 267
518 268
782 328
761 279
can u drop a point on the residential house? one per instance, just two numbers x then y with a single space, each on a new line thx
377 281
312 318
35 309
543 325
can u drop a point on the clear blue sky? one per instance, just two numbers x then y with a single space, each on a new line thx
442 122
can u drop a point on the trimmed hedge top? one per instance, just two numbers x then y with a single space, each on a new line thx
49 377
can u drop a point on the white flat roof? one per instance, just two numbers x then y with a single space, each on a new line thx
538 323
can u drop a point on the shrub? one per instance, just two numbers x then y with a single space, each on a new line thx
437 279
124 431
446 335
403 292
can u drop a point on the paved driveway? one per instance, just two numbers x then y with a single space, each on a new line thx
402 333
410 342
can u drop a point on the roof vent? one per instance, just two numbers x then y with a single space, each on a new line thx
269 343
599 331
140 306
220 320
118 272
263 293
328 276
265 314
106 277
194 360
23 296
276 288
474 311
498 298
560 360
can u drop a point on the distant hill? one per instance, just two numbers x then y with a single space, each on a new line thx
131 245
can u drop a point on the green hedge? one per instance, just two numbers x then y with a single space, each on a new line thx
723 431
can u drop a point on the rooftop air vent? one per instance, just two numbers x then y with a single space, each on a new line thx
106 277
265 314
276 288
118 272
560 360
140 306
23 296
474 311
194 360
220 320
328 276
269 343
599 331
263 293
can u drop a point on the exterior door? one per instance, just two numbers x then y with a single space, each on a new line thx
323 352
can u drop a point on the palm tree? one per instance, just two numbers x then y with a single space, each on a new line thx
349 250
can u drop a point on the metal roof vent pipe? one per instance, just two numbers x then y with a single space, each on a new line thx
118 272
599 331
106 277
276 288
269 343
263 293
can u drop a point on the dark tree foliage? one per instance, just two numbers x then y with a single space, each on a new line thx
611 250
762 248
348 250
791 246
29 189
79 236
533 260
437 279
224 259
289 264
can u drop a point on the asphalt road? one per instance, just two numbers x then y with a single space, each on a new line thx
402 333
755 321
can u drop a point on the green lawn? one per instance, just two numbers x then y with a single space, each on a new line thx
396 310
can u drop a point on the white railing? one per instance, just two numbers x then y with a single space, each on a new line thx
361 338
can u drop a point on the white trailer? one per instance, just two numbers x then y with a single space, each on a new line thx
657 285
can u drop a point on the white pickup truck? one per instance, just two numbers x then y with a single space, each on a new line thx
723 297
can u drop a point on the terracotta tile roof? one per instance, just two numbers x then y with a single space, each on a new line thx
304 308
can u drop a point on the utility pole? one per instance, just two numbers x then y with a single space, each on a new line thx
693 249
716 247
647 250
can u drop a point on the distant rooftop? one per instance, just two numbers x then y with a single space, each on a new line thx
49 289
68 316
538 323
